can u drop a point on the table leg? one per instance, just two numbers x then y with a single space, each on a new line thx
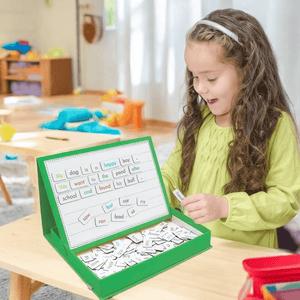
33 176
5 192
21 287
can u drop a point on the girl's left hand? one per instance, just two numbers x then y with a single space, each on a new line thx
203 208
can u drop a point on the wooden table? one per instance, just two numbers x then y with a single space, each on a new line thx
215 274
45 142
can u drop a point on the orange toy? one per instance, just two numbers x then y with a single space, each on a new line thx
137 116
132 114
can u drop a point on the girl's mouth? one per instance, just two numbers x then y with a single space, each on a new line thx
211 102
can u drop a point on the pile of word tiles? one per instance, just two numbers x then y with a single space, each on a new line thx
114 256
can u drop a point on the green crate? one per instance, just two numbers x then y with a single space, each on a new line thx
54 228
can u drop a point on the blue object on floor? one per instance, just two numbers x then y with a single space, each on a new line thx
11 156
58 124
99 114
71 114
95 127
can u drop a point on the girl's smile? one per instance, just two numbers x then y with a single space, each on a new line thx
215 80
211 102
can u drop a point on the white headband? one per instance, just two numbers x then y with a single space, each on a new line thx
221 28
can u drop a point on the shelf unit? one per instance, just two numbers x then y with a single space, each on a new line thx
55 77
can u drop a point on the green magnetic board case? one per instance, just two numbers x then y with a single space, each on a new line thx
73 213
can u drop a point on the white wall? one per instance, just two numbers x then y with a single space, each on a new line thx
45 27
56 26
42 26
98 61
18 21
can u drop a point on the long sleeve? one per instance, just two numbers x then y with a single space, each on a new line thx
277 206
252 219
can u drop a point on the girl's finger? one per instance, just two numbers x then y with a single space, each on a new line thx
191 199
197 214
193 206
201 220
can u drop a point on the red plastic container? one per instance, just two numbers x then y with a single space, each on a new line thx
274 269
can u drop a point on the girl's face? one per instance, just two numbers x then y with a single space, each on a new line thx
215 80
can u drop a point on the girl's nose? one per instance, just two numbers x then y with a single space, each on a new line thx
200 87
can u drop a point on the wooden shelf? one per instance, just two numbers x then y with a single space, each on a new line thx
33 60
55 78
23 60
18 78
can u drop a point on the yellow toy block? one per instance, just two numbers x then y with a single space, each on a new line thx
6 132
113 120
109 94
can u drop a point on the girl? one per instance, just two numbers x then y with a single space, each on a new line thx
237 158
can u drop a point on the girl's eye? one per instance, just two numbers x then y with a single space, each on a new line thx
211 79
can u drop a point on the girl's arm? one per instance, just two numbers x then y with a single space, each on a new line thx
277 206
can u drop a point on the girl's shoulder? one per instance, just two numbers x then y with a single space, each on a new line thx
285 119
285 126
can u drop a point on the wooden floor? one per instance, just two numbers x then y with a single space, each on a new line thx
27 118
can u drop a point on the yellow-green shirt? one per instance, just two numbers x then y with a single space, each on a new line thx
251 219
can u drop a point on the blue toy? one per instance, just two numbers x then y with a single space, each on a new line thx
17 46
95 127
71 114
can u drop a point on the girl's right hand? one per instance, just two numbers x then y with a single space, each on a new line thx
203 208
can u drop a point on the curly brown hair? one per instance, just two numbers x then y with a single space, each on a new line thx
254 114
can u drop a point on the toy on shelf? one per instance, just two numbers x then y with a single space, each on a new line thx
34 72
6 132
56 52
33 55
23 72
26 88
268 276
14 54
21 46
132 111
23 42
18 68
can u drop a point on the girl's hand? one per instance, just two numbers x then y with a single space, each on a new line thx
203 208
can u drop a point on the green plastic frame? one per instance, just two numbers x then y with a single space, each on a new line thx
49 206
105 288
